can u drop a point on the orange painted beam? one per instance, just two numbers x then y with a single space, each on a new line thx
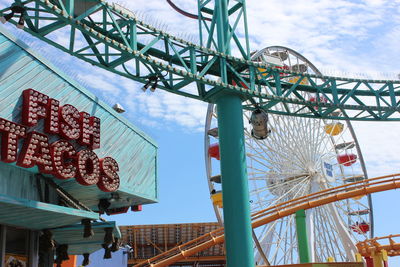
191 259
371 246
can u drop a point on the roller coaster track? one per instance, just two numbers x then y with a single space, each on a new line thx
278 211
113 38
369 247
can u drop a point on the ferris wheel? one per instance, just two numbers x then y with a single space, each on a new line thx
296 157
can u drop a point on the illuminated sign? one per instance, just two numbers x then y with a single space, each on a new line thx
60 158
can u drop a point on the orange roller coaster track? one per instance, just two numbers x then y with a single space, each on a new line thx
371 246
276 212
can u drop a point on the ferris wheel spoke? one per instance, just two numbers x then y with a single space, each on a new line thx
278 237
286 146
320 142
289 178
293 192
303 137
321 238
308 142
328 223
257 159
325 244
347 241
267 237
335 237
270 175
277 165
273 162
266 149
251 167
289 236
322 138
287 224
277 186
355 203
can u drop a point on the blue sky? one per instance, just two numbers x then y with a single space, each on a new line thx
344 38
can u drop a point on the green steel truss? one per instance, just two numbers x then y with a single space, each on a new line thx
113 38
208 18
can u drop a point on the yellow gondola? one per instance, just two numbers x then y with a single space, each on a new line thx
304 80
217 199
334 128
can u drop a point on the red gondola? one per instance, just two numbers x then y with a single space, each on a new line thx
213 151
360 228
322 99
347 159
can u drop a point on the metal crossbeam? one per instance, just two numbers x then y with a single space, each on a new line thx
111 37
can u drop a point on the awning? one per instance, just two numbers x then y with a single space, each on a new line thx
36 215
77 244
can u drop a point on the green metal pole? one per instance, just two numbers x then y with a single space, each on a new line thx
302 238
235 193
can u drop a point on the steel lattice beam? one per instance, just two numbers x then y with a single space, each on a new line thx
108 36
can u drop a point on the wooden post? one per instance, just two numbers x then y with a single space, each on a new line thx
134 243
2 245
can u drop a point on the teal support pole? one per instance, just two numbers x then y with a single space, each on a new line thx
302 237
235 193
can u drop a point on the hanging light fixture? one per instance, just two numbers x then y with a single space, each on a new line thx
15 10
103 205
21 22
109 236
259 122
107 251
147 84
86 260
6 17
46 241
87 230
152 80
154 86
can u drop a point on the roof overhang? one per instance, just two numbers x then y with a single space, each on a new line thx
77 244
38 215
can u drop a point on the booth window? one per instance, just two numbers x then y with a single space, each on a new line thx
16 249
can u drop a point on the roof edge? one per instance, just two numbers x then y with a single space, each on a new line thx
75 84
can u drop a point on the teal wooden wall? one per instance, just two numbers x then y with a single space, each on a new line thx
135 152
20 183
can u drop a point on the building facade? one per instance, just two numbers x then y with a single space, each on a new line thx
66 158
